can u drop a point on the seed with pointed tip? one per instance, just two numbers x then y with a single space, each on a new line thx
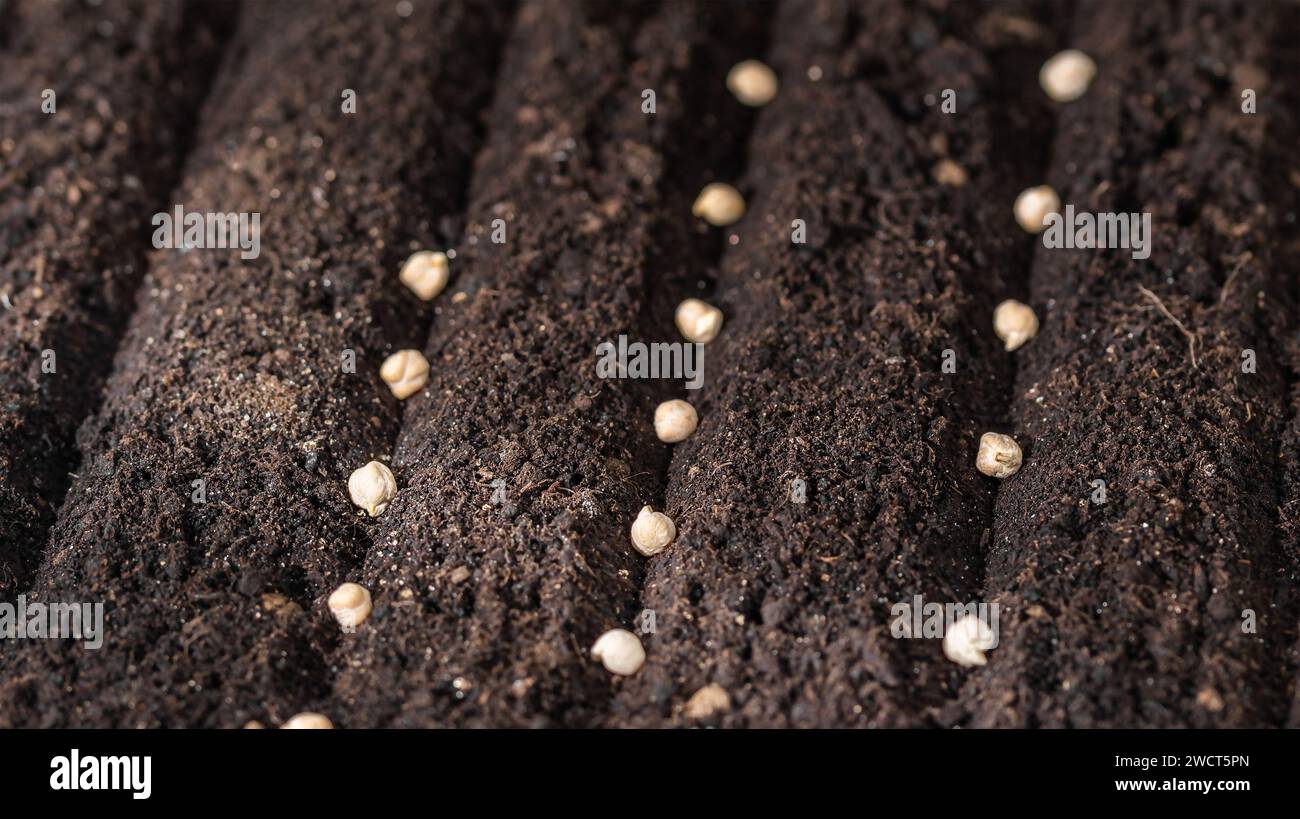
966 640
698 321
425 273
620 651
719 204
405 372
350 605
1015 323
372 487
652 532
999 455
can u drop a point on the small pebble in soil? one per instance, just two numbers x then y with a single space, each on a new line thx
1015 323
966 641
425 273
719 204
372 488
675 421
620 651
253 725
1066 76
752 82
1033 205
307 719
405 372
698 321
652 532
350 605
947 172
708 701
999 455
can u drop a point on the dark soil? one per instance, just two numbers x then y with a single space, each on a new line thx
1282 185
829 372
1130 612
596 206
231 372
76 185
506 551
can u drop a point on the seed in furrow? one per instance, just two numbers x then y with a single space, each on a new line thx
212 512
507 553
1132 556
832 475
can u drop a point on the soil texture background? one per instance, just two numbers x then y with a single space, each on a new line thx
178 426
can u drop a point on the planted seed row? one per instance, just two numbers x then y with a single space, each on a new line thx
233 374
779 608
726 592
504 556
1133 550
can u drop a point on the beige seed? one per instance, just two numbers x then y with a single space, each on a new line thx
1209 699
947 172
1066 76
620 651
652 532
253 725
966 640
999 455
719 204
405 372
350 605
372 487
752 82
1033 205
1015 323
708 701
675 421
425 273
698 321
307 719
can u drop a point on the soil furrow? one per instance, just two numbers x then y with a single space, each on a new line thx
97 106
832 474
1140 586
713 148
506 552
234 372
